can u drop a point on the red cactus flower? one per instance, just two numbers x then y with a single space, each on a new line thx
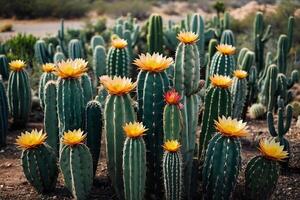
172 97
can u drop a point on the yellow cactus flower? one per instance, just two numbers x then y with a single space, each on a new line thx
73 137
134 130
119 43
272 149
187 37
226 49
153 63
171 146
240 74
231 127
17 65
49 67
221 81
117 85
29 140
71 68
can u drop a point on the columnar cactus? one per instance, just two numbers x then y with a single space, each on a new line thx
172 118
262 172
261 35
223 159
75 49
19 93
38 161
87 88
51 115
239 91
155 34
76 164
187 64
99 61
282 87
41 52
134 161
46 76
282 53
117 60
70 95
93 128
170 34
118 110
3 114
223 62
97 40
227 38
152 84
172 170
4 67
217 103
58 55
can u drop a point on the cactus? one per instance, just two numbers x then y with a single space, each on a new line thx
282 53
227 38
61 37
3 114
213 43
245 59
239 92
172 170
290 32
262 172
294 78
170 35
75 49
76 164
93 129
41 52
46 76
38 160
86 85
117 60
187 65
223 159
101 96
50 116
19 93
118 110
99 61
134 161
261 35
257 111
59 55
4 72
282 87
97 40
155 34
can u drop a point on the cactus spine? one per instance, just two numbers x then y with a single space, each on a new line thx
239 91
155 34
75 49
4 67
3 114
93 129
50 116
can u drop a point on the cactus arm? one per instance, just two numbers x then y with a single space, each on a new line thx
268 34
271 126
290 32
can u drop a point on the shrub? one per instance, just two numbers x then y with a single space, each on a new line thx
6 27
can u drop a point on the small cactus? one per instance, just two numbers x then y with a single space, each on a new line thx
257 111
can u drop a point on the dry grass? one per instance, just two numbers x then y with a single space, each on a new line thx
6 27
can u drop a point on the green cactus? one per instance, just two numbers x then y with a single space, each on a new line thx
257 111
282 87
40 167
50 115
227 38
19 96
45 77
93 129
155 34
3 115
61 37
134 167
4 70
76 164
290 32
239 90
221 167
213 43
118 111
75 49
294 78
170 36
97 40
172 173
99 61
101 96
41 52
117 61
86 85
59 55
282 53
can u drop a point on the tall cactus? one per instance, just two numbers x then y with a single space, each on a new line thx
152 84
19 93
41 52
46 76
97 40
134 161
118 110
172 170
70 96
39 161
239 90
4 70
76 164
155 34
87 88
223 159
3 114
75 49
282 53
50 116
99 61
262 172
93 128
117 60
217 103
227 38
